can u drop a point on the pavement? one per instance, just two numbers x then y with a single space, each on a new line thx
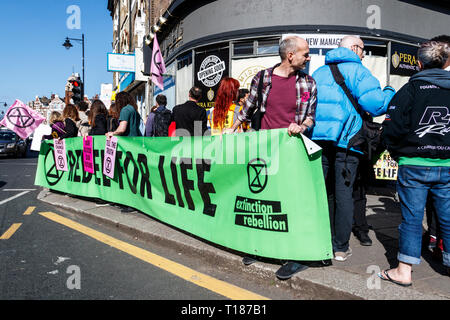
355 278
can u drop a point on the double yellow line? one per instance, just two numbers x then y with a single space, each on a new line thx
11 230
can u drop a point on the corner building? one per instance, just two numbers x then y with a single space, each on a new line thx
203 41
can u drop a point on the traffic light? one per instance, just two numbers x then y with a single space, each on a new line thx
77 90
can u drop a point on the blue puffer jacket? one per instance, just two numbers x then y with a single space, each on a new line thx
336 118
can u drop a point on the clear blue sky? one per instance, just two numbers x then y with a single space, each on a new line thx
33 61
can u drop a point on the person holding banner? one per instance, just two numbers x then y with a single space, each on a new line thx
284 94
285 97
70 116
225 111
416 131
129 119
97 118
57 126
338 124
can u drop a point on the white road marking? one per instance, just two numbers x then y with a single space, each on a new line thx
13 197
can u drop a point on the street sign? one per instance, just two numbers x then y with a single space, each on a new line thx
121 62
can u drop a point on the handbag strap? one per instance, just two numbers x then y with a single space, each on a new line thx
339 78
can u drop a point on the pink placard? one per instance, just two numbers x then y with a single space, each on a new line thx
59 149
110 157
88 157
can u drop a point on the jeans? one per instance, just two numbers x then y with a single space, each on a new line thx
432 223
340 170
413 185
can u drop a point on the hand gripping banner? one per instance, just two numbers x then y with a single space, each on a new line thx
259 193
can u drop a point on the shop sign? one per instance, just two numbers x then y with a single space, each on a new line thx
320 41
211 66
121 62
404 60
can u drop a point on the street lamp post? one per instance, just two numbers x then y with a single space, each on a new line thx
68 45
3 112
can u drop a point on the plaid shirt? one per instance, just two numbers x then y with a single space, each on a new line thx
306 97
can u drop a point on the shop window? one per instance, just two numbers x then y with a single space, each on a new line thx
268 47
375 48
320 52
184 61
243 48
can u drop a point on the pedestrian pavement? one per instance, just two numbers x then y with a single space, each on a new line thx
355 278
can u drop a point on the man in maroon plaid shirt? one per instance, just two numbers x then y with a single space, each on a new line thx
288 94
288 101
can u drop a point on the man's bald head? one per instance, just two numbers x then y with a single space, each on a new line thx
291 44
353 43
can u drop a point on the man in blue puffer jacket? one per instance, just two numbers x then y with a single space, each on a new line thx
337 121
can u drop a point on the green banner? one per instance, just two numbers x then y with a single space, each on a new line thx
258 193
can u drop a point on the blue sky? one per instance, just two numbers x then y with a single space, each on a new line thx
32 59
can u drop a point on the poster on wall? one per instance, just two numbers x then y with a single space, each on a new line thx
245 69
211 66
404 60
385 168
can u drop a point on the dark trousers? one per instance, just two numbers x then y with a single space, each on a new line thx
362 180
339 168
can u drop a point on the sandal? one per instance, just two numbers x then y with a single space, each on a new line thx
388 278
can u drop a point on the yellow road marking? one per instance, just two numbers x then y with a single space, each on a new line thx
223 288
29 211
10 231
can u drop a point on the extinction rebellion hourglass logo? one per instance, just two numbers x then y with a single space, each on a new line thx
257 213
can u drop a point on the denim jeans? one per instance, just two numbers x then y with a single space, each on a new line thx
340 170
413 185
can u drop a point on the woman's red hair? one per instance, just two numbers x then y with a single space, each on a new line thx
226 95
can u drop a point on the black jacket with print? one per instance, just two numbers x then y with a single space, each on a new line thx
417 122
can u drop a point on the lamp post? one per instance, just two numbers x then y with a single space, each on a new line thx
3 112
68 45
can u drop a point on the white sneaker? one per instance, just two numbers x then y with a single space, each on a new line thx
342 256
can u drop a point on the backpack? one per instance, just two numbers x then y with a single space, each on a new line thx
368 138
161 123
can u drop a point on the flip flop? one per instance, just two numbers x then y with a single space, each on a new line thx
388 278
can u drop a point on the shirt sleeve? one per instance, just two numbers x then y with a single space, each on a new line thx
311 112
125 115
250 105
398 118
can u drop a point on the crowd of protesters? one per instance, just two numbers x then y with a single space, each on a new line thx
330 107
